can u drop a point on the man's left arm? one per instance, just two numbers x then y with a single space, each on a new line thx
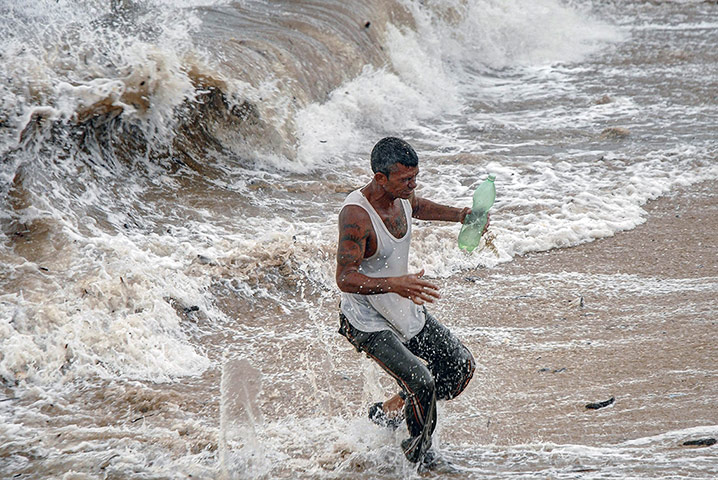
424 209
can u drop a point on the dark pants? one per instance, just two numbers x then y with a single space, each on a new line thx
433 365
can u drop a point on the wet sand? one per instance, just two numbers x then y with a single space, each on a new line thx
634 317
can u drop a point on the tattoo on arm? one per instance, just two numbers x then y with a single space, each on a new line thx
352 244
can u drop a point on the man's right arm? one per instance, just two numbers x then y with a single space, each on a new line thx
354 232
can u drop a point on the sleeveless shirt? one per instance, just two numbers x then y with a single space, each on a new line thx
384 311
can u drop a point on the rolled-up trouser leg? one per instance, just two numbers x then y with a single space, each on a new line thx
416 380
413 377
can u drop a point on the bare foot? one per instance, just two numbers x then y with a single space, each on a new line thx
394 406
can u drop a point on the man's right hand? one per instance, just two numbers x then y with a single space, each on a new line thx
414 288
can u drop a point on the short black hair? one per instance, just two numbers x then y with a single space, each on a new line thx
388 152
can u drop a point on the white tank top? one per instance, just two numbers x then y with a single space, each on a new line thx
384 311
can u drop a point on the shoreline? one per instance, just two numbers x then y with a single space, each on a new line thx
631 317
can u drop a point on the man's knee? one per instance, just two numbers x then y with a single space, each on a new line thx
470 366
466 368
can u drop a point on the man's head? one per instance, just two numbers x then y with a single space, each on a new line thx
388 152
396 166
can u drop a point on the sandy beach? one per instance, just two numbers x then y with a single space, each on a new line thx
631 317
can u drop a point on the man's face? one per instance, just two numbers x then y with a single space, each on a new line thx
401 181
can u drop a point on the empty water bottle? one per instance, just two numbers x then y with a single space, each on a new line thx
474 224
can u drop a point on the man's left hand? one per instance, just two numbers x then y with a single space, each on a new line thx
462 216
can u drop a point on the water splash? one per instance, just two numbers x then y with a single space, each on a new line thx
241 453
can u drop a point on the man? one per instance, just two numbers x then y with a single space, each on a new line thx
383 310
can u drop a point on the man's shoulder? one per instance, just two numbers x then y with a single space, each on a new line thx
355 201
355 196
353 213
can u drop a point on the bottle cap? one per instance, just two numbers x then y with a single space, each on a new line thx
492 177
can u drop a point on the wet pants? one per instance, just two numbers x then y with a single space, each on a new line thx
433 365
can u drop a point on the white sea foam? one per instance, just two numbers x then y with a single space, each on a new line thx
67 58
111 319
499 34
427 69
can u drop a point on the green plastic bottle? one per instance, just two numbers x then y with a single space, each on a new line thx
473 227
